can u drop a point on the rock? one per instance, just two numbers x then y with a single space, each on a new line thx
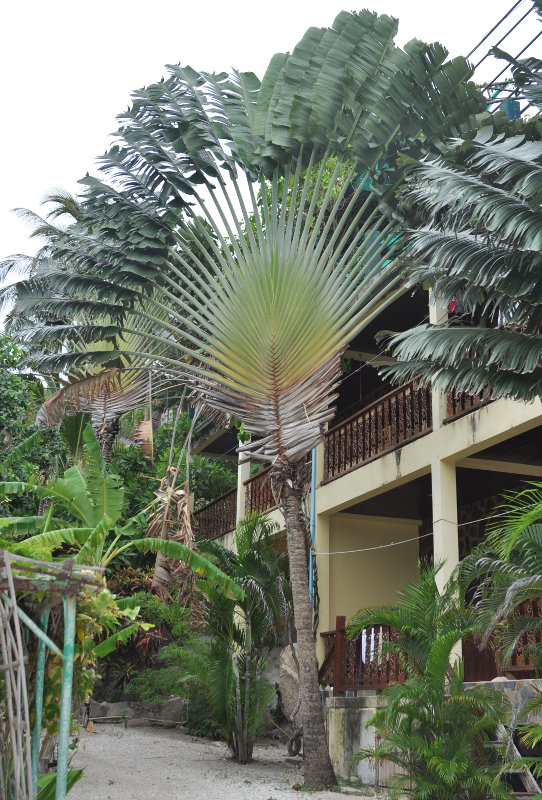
98 709
174 708
289 682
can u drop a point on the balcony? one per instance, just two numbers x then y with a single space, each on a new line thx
459 404
217 517
384 425
355 664
259 493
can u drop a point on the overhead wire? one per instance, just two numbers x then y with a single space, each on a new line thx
493 81
494 28
506 35
416 538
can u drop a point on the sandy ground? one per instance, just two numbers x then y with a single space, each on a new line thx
158 763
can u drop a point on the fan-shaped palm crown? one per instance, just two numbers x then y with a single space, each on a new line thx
221 207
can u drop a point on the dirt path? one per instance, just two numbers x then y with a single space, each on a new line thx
162 764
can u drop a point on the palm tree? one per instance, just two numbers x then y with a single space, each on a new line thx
219 210
244 633
434 730
506 570
477 242
108 386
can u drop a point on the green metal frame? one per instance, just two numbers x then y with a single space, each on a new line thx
38 700
66 579
70 608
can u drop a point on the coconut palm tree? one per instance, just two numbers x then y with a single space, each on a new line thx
217 208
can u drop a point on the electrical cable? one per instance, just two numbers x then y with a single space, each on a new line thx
416 538
533 40
494 28
506 35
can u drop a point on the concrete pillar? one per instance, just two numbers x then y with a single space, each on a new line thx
320 462
322 545
243 474
438 313
445 531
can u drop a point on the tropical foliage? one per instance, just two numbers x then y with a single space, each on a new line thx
476 243
506 570
211 222
437 733
440 735
242 634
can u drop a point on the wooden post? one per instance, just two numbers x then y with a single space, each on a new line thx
340 625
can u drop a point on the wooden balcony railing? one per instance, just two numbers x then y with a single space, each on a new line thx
351 664
459 404
217 517
521 665
259 493
384 425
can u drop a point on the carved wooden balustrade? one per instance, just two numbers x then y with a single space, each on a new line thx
217 517
521 665
385 424
259 493
460 403
351 664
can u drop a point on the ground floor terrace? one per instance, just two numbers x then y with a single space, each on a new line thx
411 474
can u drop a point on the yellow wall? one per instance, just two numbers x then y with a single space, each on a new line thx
369 578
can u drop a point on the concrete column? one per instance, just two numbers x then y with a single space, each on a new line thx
322 545
320 462
438 313
445 531
243 474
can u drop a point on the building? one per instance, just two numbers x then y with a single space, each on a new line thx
402 473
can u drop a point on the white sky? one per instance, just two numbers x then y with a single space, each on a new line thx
68 67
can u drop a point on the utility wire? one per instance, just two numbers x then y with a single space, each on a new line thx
416 538
494 28
506 35
533 40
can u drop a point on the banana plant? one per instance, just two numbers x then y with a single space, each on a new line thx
89 506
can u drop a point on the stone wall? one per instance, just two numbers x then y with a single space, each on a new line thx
347 719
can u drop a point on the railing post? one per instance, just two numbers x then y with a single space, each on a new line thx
38 703
340 625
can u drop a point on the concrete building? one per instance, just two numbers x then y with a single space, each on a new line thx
402 472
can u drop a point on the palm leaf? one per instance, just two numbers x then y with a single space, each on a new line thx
21 450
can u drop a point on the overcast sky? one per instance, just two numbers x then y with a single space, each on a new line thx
69 67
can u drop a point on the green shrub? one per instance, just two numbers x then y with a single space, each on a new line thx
158 613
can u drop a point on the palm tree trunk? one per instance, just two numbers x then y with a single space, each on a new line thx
106 435
318 770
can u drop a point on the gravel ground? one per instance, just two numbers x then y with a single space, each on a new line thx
158 763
